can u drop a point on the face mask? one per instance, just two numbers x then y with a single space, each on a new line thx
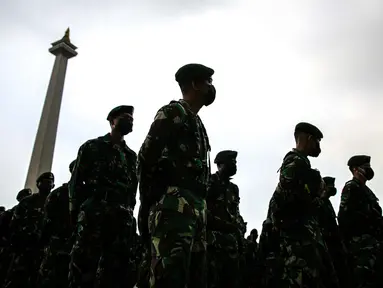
210 96
316 150
124 126
367 172
331 191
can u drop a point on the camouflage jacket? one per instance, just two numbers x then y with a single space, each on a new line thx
27 222
293 207
105 171
174 153
56 229
5 232
359 211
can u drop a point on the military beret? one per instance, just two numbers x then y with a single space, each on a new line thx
225 156
192 72
330 181
358 160
46 176
117 111
71 166
23 193
309 129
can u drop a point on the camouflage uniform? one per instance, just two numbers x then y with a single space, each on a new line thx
331 234
26 227
5 236
251 260
360 222
222 203
174 172
305 261
55 238
102 191
223 211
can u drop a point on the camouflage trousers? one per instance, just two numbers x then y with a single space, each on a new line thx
304 263
54 268
223 268
100 254
177 225
144 270
364 252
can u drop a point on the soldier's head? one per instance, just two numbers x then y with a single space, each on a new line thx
227 162
71 166
254 235
23 193
307 138
330 189
360 167
121 119
196 84
45 182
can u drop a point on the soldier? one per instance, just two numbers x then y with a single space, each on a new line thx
26 227
5 235
360 222
55 237
251 259
223 233
331 234
102 193
174 172
292 211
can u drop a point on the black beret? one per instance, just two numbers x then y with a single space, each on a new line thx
71 166
309 129
358 160
117 111
225 156
192 72
330 181
254 231
46 176
23 193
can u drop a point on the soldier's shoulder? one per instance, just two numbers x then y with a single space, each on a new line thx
29 200
294 157
172 110
351 184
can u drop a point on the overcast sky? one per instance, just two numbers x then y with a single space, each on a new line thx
277 63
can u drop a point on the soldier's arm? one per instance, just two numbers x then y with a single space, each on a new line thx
78 176
292 196
16 224
292 175
134 183
167 120
49 215
351 214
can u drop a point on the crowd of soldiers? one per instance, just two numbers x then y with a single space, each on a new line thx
191 233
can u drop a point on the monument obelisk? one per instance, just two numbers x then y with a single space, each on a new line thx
43 149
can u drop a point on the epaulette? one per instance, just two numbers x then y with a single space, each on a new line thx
180 107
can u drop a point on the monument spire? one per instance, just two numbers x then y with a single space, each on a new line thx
43 149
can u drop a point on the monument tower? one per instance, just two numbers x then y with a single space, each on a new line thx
43 149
